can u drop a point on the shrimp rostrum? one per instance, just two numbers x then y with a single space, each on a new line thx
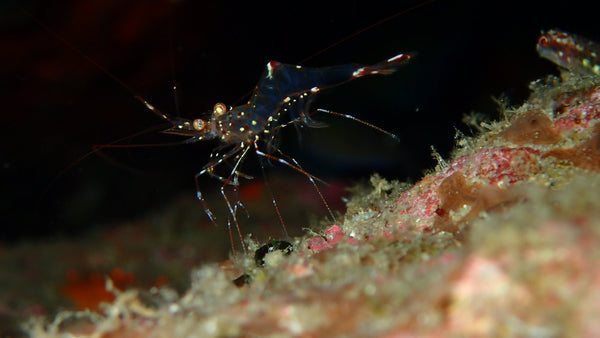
282 97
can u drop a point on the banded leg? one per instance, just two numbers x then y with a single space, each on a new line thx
310 178
232 179
350 117
273 200
286 163
296 166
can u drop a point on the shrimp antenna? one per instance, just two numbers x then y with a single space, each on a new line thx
97 149
360 31
138 97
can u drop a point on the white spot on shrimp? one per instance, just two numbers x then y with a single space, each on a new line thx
270 69
394 58
358 72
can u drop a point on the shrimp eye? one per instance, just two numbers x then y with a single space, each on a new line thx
199 124
219 109
543 41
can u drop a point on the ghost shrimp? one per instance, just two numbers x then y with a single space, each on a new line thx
282 97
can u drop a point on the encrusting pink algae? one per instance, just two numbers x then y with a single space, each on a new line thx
501 239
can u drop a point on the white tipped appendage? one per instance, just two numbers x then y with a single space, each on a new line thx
394 58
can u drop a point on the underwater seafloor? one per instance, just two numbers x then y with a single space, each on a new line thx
500 239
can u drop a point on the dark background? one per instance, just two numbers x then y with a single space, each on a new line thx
56 104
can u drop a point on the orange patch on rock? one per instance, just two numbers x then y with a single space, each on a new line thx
455 193
585 155
533 127
89 290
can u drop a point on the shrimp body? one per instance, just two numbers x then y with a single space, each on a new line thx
575 53
283 91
